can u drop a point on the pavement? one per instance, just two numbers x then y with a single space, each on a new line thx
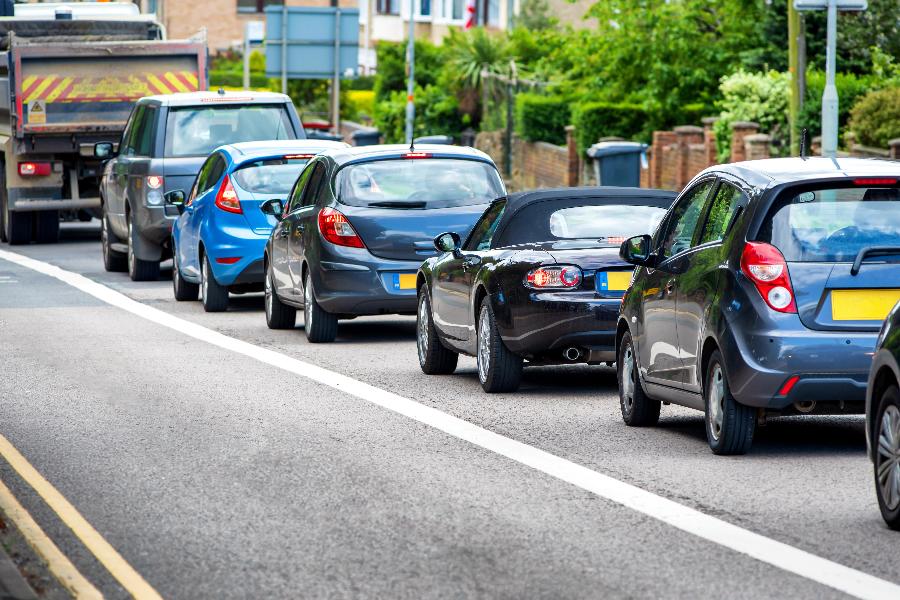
216 475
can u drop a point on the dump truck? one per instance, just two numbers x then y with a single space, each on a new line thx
69 77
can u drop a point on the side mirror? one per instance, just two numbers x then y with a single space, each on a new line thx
104 150
448 242
273 207
175 198
636 251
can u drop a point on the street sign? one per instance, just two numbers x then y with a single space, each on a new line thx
255 32
311 45
845 5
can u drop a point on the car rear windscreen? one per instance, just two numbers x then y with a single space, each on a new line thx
833 224
270 176
418 183
198 130
605 223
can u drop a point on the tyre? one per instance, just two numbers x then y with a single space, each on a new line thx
17 226
887 456
213 295
638 409
84 216
320 326
278 314
139 270
183 289
46 227
434 357
113 261
729 424
499 370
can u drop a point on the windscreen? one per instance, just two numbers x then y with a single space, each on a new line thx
270 176
833 225
605 223
198 130
418 183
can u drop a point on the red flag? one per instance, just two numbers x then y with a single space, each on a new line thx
470 14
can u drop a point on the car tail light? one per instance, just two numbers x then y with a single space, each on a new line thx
154 182
417 155
336 229
765 266
554 277
34 169
227 198
875 181
228 260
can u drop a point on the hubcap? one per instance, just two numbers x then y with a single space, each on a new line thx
204 281
422 338
484 346
104 239
268 294
131 264
887 462
176 270
628 379
307 302
716 401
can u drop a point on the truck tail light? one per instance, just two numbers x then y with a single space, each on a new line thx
34 169
566 277
764 264
227 198
336 229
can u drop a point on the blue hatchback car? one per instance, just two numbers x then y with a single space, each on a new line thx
220 235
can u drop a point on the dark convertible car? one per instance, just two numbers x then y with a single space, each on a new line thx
538 279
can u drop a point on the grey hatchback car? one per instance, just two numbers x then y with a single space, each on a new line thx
761 293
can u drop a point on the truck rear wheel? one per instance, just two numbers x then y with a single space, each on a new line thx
46 227
16 225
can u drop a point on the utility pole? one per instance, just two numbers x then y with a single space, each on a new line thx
794 69
411 65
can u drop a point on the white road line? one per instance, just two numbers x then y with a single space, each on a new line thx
772 552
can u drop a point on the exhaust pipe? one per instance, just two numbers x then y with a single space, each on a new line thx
805 406
572 354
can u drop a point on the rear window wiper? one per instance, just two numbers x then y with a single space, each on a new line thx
871 251
398 204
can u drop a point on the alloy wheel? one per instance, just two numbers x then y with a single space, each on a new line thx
268 292
887 460
628 378
104 239
484 346
132 265
716 401
204 280
423 330
307 303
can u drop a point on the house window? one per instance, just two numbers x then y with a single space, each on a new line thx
457 8
256 6
388 7
424 8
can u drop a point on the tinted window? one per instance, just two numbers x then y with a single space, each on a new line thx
419 183
270 176
827 225
721 212
299 187
144 133
130 138
315 182
483 233
202 178
197 131
684 219
611 223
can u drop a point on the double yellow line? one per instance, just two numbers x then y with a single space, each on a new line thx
61 567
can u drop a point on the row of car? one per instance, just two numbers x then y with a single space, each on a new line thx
762 289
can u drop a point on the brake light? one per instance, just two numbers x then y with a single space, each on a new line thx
554 277
154 182
875 181
228 260
227 198
295 156
34 169
764 264
417 155
335 228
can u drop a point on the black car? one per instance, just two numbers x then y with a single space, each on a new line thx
358 224
883 419
762 294
538 279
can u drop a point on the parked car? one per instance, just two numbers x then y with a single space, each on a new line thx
883 419
538 279
358 224
166 140
762 291
219 239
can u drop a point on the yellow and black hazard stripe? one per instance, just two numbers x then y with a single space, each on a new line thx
60 88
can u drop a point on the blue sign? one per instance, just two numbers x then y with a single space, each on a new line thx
311 33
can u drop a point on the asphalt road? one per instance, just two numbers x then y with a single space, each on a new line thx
218 476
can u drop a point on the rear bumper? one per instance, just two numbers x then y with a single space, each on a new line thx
355 282
233 243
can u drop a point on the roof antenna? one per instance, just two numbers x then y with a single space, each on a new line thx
412 145
804 142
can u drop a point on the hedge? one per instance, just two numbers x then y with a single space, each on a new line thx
875 119
236 79
542 118
594 120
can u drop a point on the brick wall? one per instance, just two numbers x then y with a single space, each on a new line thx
535 164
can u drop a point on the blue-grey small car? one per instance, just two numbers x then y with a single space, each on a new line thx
358 224
761 293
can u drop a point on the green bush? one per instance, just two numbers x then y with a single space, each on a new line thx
594 120
542 118
437 113
235 79
758 97
850 89
391 75
875 119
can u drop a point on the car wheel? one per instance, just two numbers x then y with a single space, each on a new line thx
729 424
887 457
139 270
213 295
46 227
434 357
183 289
278 314
499 370
113 261
320 326
638 409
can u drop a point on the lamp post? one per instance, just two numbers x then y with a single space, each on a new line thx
411 66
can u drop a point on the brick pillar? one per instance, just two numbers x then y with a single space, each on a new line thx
757 146
709 140
740 130
685 135
894 145
661 139
815 147
574 163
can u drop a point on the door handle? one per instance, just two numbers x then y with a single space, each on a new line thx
670 286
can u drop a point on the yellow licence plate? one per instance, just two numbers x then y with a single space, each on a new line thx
405 281
862 305
618 281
